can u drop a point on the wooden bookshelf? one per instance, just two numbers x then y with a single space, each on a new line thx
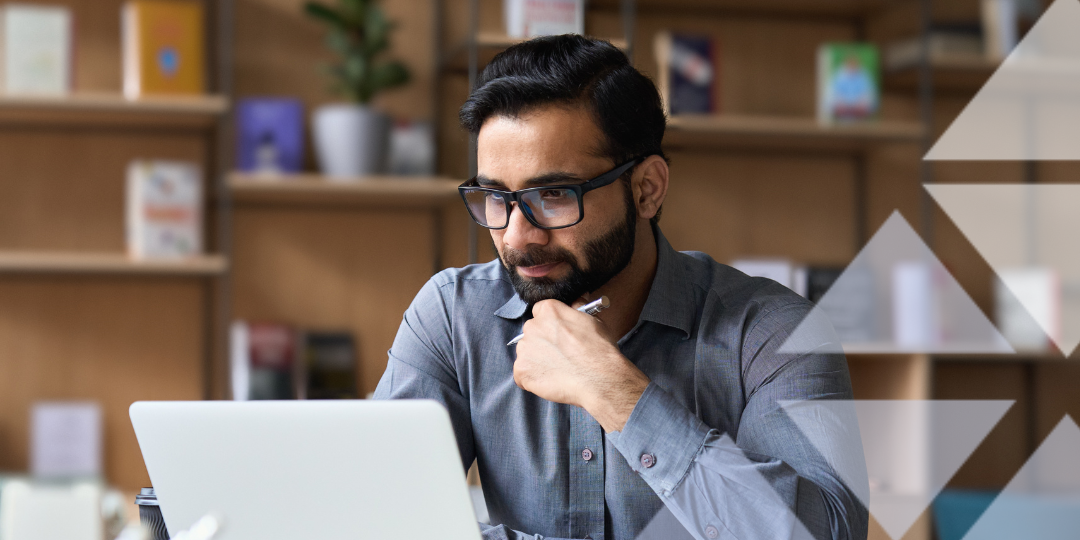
97 109
778 132
822 8
491 43
315 189
948 73
37 262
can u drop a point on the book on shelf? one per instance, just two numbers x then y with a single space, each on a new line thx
807 281
1028 307
37 49
273 360
962 43
163 47
849 82
270 135
531 18
688 74
262 360
66 440
327 366
164 209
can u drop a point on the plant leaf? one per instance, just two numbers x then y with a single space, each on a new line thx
388 75
325 14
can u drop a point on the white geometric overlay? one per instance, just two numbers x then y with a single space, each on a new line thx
896 296
912 448
1026 230
1029 109
1042 502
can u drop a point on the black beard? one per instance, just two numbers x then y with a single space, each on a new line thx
605 257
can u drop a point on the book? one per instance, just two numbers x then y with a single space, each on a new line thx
531 18
37 49
849 82
164 209
1028 307
163 47
262 358
955 44
328 366
270 135
66 440
688 78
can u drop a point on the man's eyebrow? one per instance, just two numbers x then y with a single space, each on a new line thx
557 177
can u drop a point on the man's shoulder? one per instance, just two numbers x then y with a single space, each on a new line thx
488 274
751 296
484 283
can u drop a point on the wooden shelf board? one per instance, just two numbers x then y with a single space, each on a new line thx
112 109
732 131
955 73
491 43
36 262
822 8
315 189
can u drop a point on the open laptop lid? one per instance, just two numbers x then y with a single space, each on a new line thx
282 470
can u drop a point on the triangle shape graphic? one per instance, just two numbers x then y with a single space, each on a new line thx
911 447
896 297
1042 502
1029 109
1024 230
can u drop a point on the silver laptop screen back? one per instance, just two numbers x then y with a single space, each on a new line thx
308 469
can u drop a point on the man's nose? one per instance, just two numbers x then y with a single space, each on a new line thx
520 233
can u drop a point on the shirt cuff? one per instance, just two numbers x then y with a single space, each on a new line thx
661 439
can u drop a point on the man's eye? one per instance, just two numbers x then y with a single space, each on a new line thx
553 194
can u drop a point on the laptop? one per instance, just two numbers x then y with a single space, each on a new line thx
282 470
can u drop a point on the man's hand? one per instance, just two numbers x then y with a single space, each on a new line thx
568 357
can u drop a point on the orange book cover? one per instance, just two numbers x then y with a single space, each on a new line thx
164 49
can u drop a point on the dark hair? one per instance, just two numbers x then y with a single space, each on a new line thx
573 70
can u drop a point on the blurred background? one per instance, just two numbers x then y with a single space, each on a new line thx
237 199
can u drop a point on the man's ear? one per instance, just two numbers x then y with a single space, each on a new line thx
650 183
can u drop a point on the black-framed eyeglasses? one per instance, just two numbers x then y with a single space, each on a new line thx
546 207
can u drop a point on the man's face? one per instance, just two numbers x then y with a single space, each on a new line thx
550 146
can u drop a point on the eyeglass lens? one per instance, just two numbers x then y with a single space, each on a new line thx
547 207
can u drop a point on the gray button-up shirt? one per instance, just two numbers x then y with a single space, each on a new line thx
708 451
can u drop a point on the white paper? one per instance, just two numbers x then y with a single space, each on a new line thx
65 439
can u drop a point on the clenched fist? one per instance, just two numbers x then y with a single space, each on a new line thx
568 357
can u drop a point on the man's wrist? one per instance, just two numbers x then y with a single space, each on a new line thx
614 402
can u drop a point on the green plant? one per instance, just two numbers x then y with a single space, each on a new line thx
359 34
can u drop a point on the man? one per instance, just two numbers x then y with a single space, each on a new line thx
666 404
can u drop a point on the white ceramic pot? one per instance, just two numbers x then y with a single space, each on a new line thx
351 140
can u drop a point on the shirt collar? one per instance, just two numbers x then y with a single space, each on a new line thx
671 298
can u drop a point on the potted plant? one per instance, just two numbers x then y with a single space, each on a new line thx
352 139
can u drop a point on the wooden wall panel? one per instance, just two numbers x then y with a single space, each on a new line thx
114 341
772 205
329 268
65 189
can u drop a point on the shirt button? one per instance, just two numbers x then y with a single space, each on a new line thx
586 454
648 460
711 532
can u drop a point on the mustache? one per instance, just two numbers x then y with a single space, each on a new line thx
513 258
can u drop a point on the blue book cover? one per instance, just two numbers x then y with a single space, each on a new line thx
270 134
689 73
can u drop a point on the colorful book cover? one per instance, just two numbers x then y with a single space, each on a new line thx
272 352
688 73
164 209
849 82
37 49
270 135
164 51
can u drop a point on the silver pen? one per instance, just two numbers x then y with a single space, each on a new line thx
592 308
